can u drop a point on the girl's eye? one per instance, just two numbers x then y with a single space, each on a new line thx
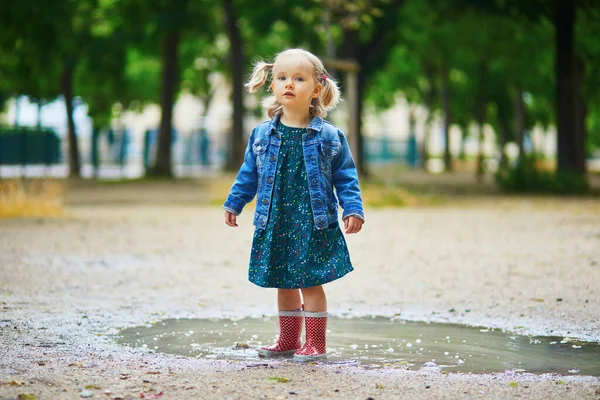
300 79
281 78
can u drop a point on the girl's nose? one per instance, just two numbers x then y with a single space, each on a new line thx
289 83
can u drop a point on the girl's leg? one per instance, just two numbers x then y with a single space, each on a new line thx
288 299
314 299
315 304
291 319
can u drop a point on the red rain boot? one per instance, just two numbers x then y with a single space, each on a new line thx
316 331
290 329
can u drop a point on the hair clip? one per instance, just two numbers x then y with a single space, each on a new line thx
324 77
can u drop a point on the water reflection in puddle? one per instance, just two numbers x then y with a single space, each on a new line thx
376 343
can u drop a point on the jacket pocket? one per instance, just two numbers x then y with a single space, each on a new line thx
329 149
327 152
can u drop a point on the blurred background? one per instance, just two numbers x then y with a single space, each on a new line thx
503 91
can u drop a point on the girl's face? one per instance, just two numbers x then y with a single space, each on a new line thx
294 85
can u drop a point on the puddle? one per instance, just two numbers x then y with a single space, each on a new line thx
377 343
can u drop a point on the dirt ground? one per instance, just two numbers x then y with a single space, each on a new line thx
126 255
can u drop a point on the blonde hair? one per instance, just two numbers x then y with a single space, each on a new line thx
327 99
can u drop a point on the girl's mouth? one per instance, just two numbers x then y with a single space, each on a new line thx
288 94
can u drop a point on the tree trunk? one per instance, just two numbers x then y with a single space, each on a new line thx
481 138
426 134
445 94
580 118
481 108
207 101
350 50
370 55
428 99
236 60
326 22
162 166
570 140
411 156
40 104
17 110
67 90
502 139
363 168
520 125
94 151
462 154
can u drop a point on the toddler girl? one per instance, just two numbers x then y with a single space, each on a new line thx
292 164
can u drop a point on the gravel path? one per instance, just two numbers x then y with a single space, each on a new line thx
68 285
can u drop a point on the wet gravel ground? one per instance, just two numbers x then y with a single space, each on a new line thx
67 286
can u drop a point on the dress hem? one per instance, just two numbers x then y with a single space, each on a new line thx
303 287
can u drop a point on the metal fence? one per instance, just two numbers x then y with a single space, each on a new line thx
116 154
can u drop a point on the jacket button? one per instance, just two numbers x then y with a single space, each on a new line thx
265 201
312 157
269 180
318 202
272 158
315 181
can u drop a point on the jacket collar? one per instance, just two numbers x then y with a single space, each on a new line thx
316 124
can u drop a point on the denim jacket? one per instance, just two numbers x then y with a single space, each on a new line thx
329 165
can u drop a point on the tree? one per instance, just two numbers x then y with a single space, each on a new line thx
588 45
252 31
47 52
366 40
236 62
569 74
422 49
71 39
166 23
200 60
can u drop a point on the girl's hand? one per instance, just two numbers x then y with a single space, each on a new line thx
231 219
352 224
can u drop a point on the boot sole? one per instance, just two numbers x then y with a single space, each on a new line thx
269 353
302 358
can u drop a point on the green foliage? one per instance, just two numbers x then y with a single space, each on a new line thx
493 49
588 32
28 47
142 72
200 58
527 178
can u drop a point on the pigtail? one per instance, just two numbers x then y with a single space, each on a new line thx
272 105
259 76
330 93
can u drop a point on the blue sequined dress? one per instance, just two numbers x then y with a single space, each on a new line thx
291 253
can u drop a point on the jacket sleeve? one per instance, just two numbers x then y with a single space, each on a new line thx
345 181
245 185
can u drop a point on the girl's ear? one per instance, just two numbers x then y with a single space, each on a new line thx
317 91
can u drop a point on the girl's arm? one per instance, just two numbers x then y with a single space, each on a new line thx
345 181
244 187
